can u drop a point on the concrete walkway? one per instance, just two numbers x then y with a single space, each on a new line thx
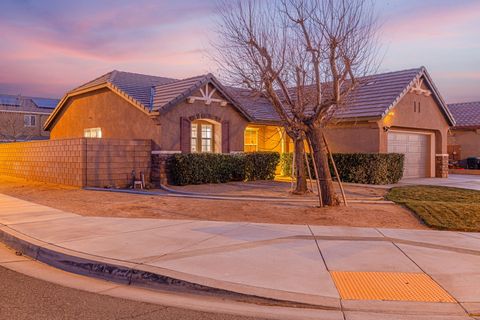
464 181
297 264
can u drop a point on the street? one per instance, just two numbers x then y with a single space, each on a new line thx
23 297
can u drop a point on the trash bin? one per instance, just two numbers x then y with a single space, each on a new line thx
473 163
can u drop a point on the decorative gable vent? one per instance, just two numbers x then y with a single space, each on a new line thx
207 96
417 88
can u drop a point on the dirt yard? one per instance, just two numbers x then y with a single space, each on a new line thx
96 203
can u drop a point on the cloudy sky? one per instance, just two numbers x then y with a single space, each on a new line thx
48 47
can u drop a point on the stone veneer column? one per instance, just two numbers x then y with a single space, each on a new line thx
441 165
159 173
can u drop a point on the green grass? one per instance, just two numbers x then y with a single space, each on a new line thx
441 207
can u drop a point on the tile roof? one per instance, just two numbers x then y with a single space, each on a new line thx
373 98
166 94
137 86
257 106
466 114
377 93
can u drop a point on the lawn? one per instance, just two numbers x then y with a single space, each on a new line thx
441 207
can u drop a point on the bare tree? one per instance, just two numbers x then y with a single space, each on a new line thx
12 129
305 57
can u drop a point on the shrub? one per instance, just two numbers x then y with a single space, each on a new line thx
369 168
199 168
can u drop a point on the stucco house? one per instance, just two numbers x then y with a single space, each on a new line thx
391 112
464 137
22 118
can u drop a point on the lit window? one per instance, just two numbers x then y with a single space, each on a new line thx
251 140
92 133
29 120
207 137
194 136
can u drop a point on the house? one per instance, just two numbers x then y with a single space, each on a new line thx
22 118
464 137
391 112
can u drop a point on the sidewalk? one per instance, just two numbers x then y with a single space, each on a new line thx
342 270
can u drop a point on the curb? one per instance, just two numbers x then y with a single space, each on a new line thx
180 194
138 275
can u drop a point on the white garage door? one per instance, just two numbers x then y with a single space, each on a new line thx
416 150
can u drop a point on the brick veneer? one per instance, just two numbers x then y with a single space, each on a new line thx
77 162
160 173
441 165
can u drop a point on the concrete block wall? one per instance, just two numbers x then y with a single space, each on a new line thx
109 162
77 162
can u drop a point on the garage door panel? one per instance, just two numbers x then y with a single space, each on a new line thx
415 148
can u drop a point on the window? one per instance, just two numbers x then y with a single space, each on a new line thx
201 137
29 120
92 133
207 137
251 140
194 137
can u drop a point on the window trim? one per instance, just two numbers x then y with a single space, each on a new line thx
255 130
87 133
28 124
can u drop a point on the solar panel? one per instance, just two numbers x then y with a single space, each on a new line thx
9 101
45 103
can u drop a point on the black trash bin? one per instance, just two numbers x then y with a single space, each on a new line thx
473 163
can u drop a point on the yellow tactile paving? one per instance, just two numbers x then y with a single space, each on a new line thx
396 286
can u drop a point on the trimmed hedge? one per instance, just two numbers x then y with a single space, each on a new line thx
199 168
369 168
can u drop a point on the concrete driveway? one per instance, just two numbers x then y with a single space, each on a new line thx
454 180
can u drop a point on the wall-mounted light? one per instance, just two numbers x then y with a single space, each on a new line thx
386 128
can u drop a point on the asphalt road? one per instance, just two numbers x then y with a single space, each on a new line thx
23 297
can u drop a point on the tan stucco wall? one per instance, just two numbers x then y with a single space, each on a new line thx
104 109
353 137
170 122
468 140
429 119
119 119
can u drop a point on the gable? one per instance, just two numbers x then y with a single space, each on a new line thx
418 109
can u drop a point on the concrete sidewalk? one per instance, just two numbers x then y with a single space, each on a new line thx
286 263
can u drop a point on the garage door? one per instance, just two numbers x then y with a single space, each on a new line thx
416 150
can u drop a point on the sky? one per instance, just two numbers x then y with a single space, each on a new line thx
48 47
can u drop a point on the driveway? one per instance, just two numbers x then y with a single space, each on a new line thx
454 180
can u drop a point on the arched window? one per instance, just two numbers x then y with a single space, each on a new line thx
203 136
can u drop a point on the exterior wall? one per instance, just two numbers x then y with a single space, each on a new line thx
169 121
118 118
353 137
77 162
12 126
271 138
429 120
467 140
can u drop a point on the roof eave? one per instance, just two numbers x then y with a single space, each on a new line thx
76 92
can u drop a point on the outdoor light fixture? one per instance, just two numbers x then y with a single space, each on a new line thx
386 128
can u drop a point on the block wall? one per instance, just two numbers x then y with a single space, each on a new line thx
77 162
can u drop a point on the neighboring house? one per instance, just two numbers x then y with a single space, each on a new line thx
464 138
22 118
391 112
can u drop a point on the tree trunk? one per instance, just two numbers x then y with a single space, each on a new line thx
300 172
320 156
